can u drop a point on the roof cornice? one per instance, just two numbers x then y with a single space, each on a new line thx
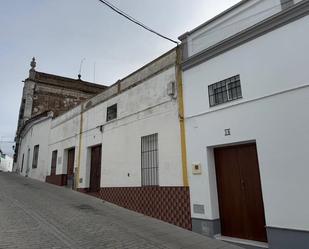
235 6
276 21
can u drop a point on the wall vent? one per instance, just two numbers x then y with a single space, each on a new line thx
198 209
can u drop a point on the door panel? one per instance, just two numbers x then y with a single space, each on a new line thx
28 162
70 167
239 192
247 157
54 163
95 169
231 200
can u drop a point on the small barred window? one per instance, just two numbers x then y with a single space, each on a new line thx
111 112
224 91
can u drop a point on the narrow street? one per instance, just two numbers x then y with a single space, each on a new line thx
39 215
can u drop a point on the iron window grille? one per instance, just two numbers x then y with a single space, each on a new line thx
149 160
224 91
35 156
111 112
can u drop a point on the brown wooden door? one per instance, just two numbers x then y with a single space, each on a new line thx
53 163
95 169
70 167
239 192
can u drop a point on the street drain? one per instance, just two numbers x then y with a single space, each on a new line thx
89 209
30 186
85 207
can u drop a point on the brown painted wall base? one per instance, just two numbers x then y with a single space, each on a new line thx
170 204
59 180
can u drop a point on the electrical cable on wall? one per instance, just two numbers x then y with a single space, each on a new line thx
132 19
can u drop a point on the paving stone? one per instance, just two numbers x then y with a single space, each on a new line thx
37 215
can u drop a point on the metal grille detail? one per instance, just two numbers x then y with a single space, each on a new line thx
225 91
111 112
35 156
149 160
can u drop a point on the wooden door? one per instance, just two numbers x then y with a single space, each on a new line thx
70 167
95 169
28 163
22 164
54 163
239 192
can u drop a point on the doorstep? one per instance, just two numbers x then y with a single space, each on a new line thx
250 243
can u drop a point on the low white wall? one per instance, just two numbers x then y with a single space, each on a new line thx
6 163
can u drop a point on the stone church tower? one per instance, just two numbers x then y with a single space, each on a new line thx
44 93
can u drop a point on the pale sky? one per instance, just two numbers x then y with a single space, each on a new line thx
60 33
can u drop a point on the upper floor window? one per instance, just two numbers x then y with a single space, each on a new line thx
111 112
224 91
35 157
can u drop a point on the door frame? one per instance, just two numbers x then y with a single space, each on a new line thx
66 163
89 163
28 163
213 175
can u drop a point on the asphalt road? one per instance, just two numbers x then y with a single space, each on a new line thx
39 215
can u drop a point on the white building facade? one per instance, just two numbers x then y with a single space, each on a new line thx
246 95
33 152
124 145
242 132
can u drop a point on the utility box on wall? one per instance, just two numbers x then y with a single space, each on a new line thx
171 89
196 169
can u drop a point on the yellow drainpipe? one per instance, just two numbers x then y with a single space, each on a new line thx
181 117
81 123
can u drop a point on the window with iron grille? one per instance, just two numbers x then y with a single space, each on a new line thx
150 163
224 91
111 112
35 157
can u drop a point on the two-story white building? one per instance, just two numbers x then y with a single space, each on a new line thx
246 96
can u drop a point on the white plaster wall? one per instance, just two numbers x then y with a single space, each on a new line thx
142 110
266 65
38 134
231 23
273 112
123 156
64 135
6 163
